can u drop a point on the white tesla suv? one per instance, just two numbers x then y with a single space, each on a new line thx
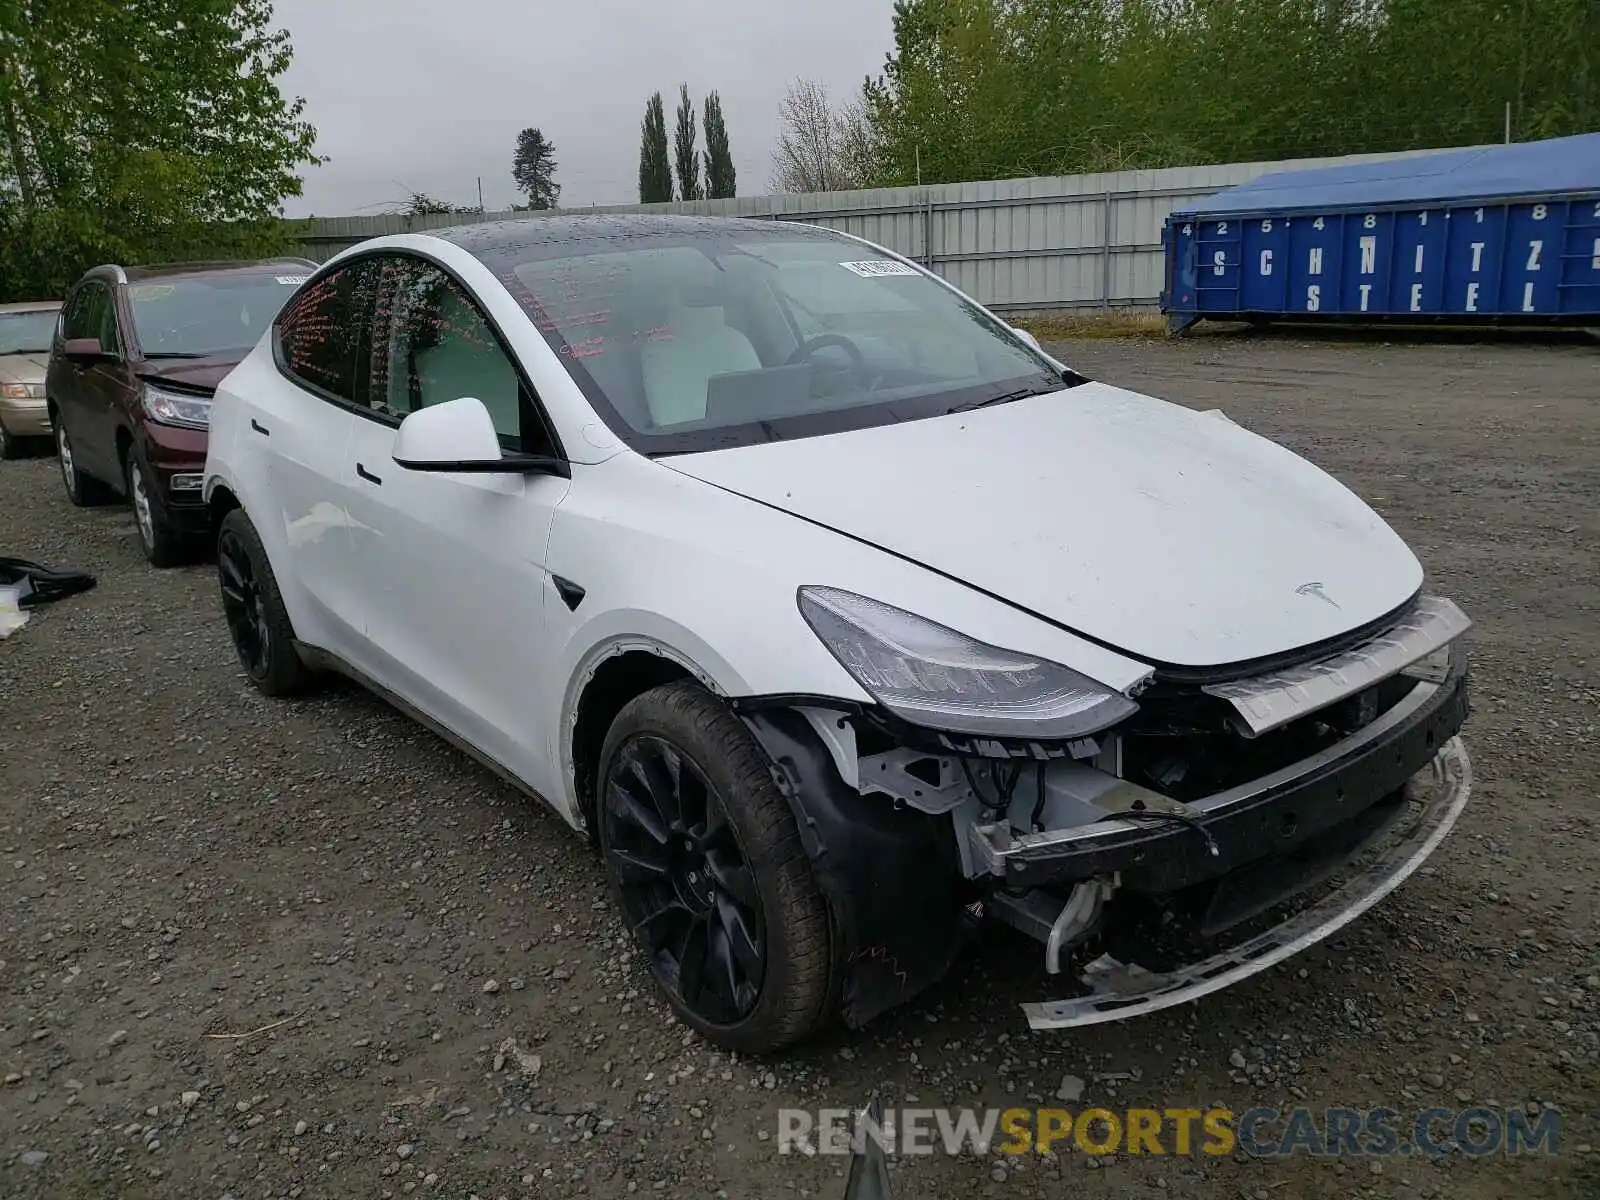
841 617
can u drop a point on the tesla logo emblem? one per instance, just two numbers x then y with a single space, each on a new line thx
1315 589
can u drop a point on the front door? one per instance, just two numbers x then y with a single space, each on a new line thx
452 564
87 396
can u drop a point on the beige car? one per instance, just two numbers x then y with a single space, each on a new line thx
25 334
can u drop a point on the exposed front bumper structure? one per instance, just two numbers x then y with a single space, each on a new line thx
1265 818
1091 859
1118 990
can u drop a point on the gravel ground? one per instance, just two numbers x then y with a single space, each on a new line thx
260 949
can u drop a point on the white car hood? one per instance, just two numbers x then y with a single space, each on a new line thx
1175 536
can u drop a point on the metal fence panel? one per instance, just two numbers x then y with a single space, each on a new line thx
1014 244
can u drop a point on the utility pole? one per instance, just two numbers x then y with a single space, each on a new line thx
480 195
1508 122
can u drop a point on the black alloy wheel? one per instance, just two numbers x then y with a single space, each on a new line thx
686 887
242 604
263 636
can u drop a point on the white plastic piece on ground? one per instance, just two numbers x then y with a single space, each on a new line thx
12 618
1121 990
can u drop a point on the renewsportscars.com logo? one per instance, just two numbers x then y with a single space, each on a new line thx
1259 1132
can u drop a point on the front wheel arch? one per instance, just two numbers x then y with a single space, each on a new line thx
614 682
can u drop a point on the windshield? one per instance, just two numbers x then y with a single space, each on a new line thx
701 340
27 332
205 315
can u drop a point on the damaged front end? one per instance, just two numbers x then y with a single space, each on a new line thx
1223 826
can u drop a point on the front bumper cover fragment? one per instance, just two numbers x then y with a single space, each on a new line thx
1119 990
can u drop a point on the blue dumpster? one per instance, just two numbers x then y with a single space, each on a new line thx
1493 235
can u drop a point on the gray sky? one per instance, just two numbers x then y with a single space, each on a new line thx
428 95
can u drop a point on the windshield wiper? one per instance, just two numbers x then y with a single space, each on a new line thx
176 354
1002 398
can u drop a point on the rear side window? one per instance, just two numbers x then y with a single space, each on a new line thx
319 334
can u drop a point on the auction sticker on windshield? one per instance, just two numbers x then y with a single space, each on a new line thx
873 268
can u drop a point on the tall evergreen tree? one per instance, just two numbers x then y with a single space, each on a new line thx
684 154
719 158
655 166
533 166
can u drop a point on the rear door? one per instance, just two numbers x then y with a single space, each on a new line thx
294 420
452 565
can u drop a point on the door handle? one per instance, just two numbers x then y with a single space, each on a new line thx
260 428
368 475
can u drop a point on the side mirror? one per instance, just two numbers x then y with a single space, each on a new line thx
1032 341
84 350
458 436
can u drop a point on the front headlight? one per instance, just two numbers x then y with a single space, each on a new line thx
177 408
931 675
22 391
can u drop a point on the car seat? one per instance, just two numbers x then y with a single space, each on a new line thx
677 369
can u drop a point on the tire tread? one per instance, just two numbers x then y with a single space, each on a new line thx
287 674
771 844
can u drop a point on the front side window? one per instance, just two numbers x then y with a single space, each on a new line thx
698 340
199 316
27 332
73 323
319 332
90 314
430 344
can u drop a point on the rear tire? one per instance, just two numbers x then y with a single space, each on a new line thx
84 491
706 862
258 623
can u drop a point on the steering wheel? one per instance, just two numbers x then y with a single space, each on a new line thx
810 346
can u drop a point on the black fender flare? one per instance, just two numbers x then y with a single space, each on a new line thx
890 876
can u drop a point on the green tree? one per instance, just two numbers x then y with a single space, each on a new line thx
533 167
685 157
655 167
137 132
980 89
721 179
420 204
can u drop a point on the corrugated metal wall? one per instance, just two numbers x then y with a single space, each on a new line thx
1068 241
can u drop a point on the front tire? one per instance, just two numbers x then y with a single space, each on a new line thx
263 636
707 866
163 543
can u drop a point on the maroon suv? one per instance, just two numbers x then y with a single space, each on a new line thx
136 358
